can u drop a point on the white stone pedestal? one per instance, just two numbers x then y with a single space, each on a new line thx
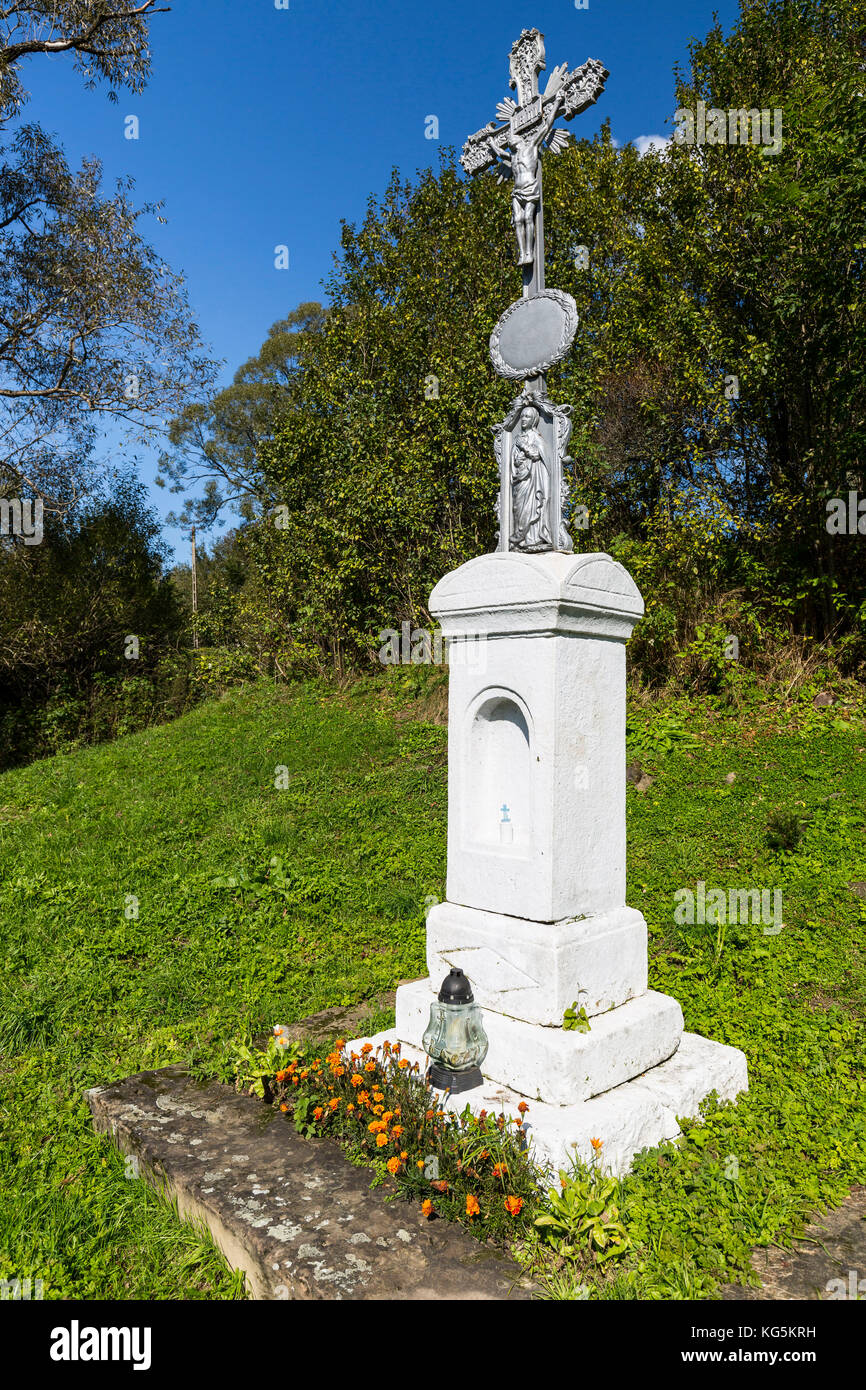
535 913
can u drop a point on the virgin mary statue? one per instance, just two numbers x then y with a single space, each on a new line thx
530 486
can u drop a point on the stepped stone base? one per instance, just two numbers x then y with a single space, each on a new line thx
536 970
561 1067
636 1114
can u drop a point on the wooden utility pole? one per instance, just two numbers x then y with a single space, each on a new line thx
194 595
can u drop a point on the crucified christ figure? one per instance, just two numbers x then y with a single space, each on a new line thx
522 163
513 142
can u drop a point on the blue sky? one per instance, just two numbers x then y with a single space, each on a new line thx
264 126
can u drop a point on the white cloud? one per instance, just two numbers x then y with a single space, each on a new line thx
642 143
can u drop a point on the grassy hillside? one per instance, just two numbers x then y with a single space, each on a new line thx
161 894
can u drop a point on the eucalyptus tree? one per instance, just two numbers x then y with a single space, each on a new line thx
94 328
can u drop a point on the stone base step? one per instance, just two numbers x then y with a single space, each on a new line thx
552 1065
636 1115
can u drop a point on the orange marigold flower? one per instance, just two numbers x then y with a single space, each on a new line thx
394 1165
334 1102
518 1120
381 1140
368 1047
402 1064
420 1165
386 1047
523 1107
472 1207
318 1112
404 1155
596 1144
363 1096
284 1108
396 1131
440 1185
340 1044
428 1114
369 1066
377 1095
427 1207
513 1205
339 1071
500 1169
357 1080
281 1076
350 1107
388 1116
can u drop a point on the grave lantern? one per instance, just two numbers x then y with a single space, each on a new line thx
455 1040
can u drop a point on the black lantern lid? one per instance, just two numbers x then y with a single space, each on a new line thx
456 989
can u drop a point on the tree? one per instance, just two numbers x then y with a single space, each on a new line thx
88 618
383 464
216 442
92 326
108 39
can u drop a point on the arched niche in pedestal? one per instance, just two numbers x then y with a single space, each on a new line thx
499 781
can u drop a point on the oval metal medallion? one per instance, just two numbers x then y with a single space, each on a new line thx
533 334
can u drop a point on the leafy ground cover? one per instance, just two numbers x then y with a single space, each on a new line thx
271 854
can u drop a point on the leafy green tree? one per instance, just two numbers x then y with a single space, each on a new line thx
88 621
383 465
108 41
215 442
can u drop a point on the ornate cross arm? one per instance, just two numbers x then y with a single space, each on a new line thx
567 94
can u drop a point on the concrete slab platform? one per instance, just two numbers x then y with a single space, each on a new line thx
293 1213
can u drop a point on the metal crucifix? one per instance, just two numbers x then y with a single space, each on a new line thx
525 125
537 330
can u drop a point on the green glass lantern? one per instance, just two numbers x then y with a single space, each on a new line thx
455 1040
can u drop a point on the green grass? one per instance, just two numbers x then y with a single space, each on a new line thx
185 819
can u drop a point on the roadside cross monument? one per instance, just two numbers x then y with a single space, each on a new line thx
535 912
